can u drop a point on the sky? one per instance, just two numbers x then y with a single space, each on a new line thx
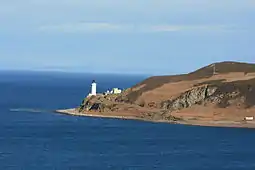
125 36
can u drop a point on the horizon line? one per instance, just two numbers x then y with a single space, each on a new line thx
69 72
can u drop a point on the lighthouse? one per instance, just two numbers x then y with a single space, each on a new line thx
94 88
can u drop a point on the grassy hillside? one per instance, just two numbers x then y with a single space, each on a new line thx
205 72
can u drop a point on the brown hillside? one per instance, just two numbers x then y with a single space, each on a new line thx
162 87
225 95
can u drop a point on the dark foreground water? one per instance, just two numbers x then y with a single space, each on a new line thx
31 140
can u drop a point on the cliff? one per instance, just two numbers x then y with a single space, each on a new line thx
228 94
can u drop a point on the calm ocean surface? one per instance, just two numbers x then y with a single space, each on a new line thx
46 140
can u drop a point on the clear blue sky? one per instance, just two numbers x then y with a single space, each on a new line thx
134 36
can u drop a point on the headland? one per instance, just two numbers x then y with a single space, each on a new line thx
220 94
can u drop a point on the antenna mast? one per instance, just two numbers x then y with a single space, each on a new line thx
214 69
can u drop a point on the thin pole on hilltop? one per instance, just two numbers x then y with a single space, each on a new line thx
214 69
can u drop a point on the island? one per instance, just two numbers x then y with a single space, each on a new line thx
220 94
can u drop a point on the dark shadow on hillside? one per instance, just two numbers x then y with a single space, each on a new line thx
246 89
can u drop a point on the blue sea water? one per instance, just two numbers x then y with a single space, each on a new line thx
42 139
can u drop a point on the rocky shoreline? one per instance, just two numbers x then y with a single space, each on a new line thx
218 123
74 112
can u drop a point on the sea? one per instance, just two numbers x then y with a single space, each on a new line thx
33 137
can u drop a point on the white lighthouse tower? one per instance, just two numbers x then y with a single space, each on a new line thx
94 88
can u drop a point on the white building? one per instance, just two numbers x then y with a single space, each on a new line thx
93 88
116 91
113 91
249 118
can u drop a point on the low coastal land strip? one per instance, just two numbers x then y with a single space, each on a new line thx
217 123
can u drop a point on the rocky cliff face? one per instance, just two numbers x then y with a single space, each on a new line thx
189 98
97 103
240 94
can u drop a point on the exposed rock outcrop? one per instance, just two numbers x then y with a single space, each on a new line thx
95 103
191 97
222 95
161 115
